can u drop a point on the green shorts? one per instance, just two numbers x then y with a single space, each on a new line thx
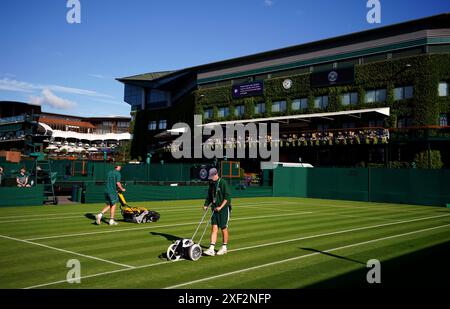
111 199
221 218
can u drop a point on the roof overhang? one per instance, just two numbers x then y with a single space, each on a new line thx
306 117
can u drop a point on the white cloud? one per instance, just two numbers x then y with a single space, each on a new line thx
100 76
268 2
14 85
20 86
49 98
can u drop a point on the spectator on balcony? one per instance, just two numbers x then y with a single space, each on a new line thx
1 175
22 179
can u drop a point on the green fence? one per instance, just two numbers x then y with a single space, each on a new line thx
13 196
409 186
94 193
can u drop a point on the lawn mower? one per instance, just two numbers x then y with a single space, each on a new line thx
136 214
186 247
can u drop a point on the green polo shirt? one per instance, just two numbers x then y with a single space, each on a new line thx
112 179
220 191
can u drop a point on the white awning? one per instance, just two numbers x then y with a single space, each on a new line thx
381 110
47 128
91 137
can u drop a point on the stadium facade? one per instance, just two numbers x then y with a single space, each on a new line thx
398 75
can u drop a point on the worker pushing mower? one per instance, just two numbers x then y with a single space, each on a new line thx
114 193
219 200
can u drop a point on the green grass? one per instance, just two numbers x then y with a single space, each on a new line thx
274 243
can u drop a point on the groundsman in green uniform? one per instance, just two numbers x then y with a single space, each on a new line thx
111 186
219 199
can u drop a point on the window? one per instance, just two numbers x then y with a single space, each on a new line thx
299 104
376 124
260 108
133 96
443 89
162 124
223 112
323 67
403 93
322 127
278 106
405 122
289 72
208 113
350 98
152 125
321 102
439 48
378 95
407 52
239 110
443 120
348 125
155 98
374 58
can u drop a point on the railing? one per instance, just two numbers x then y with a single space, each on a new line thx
427 133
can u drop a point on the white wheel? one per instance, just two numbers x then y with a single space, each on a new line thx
172 254
195 252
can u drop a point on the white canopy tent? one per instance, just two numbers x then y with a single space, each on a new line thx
85 136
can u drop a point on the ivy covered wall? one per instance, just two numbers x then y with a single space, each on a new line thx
424 74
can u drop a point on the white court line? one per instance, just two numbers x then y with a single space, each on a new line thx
41 215
167 225
65 251
302 257
172 209
101 274
42 219
80 215
238 249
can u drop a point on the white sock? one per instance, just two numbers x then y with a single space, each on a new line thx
211 247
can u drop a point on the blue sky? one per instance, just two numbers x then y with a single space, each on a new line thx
70 68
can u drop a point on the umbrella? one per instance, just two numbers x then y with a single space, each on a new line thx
52 147
92 149
79 149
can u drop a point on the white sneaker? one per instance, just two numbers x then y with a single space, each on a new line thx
98 218
112 222
210 252
222 251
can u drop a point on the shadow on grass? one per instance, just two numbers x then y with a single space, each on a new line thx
426 268
334 255
171 238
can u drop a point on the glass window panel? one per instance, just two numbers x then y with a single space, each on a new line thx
443 89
